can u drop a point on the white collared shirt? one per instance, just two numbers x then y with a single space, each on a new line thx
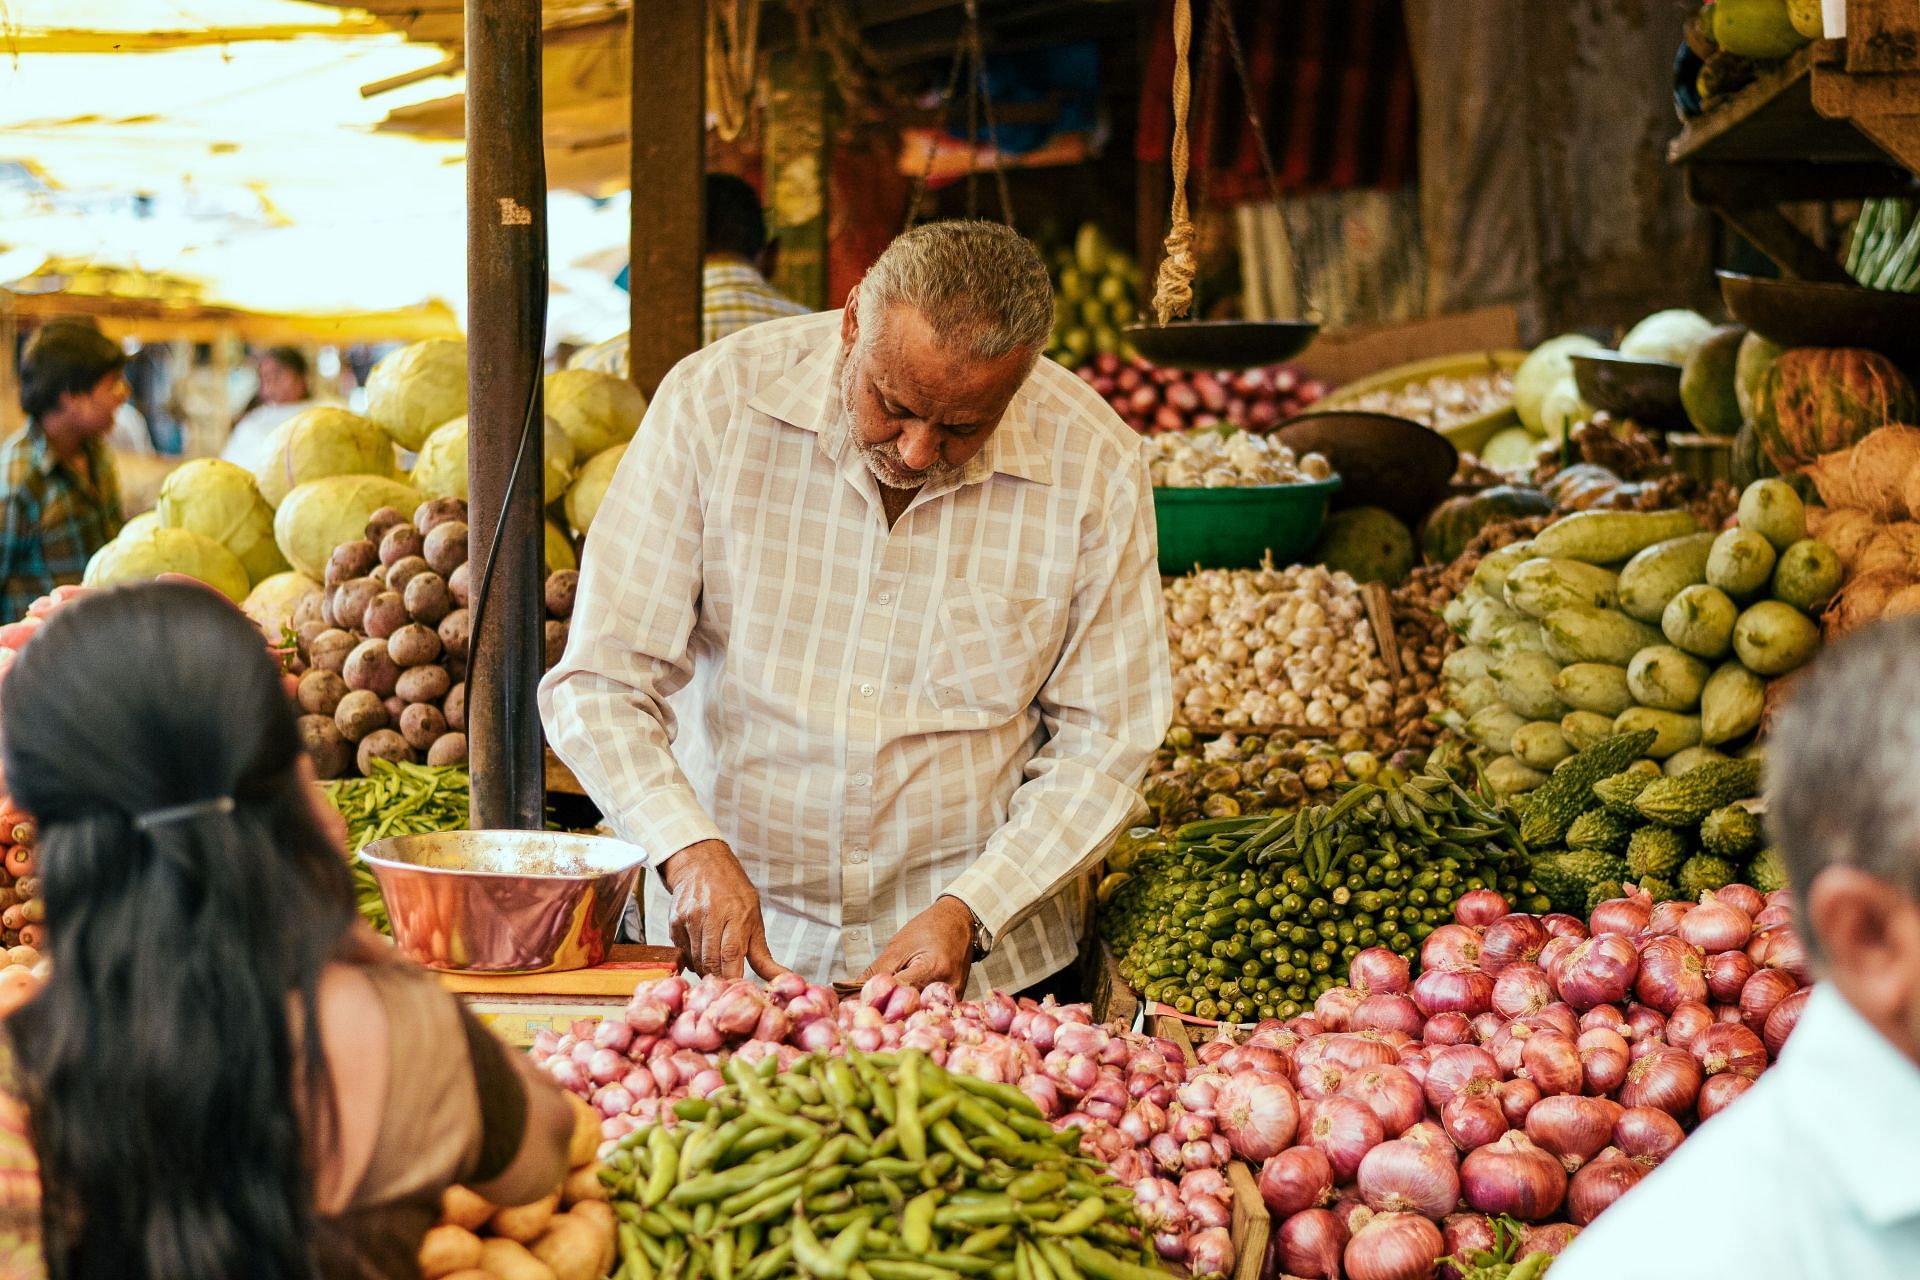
962 704
1813 1174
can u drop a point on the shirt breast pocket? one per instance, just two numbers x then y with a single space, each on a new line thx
990 652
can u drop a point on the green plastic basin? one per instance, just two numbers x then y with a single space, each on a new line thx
1234 528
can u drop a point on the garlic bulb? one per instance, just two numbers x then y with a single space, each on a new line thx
1209 460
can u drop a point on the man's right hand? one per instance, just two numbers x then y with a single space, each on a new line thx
716 919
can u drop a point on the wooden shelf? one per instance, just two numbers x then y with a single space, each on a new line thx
1773 120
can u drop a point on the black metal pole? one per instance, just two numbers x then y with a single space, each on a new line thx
506 305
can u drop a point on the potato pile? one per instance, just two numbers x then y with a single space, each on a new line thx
569 1234
382 649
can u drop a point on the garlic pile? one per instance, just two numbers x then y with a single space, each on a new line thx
1443 400
1263 648
1210 460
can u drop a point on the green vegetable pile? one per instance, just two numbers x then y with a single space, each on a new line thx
1885 250
883 1166
1235 775
396 800
1245 918
1507 1260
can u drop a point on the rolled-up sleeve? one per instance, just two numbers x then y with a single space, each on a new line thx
1105 709
604 704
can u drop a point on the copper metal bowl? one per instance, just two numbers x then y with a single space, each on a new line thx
505 901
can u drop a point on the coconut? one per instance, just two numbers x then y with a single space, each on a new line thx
1882 465
1864 600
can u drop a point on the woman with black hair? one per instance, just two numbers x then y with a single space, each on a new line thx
227 1075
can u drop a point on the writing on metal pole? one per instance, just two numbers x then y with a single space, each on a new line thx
514 214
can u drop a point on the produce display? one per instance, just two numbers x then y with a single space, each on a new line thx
1153 399
1271 909
1615 622
1229 459
1443 400
396 799
1736 41
1237 774
1813 401
1884 252
568 1234
1096 295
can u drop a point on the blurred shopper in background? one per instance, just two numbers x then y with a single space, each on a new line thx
734 292
286 387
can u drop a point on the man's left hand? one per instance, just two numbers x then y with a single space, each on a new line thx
934 946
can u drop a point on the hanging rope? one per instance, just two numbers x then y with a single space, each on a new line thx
969 53
1173 288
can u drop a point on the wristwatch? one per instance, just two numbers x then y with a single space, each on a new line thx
982 936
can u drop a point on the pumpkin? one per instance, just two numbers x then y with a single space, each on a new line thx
1454 522
1816 400
1583 487
1750 461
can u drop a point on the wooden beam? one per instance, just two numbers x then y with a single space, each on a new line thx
668 128
1883 36
506 307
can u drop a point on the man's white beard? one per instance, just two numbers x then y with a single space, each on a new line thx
883 460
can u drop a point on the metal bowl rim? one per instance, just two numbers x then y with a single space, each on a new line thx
1303 486
377 862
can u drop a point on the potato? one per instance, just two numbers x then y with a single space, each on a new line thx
372 667
584 1145
509 1260
446 546
350 601
456 632
400 542
572 1247
400 574
383 744
561 588
459 584
320 692
360 713
583 1184
326 745
351 560
526 1222
305 633
448 748
437 511
599 1214
308 614
413 645
379 522
556 642
423 684
329 649
428 599
464 1208
455 707
422 725
445 1250
386 613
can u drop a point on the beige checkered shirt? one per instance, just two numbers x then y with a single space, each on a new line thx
962 704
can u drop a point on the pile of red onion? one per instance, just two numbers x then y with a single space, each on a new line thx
1536 1067
1153 398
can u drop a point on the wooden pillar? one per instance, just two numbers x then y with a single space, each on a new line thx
668 129
506 304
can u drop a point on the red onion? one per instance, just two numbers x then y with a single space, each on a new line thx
1768 917
1473 1120
1205 1210
1672 972
1718 1093
1599 971
613 1100
1604 1059
1298 1178
1606 1017
706 1082
1392 1094
1781 1021
1465 1234
1789 953
1210 1252
1205 1182
691 1032
1388 1011
1377 970
1554 956
1560 1017
1596 1186
1742 897
1727 973
1574 1129
1076 1037
1512 939
1413 1061
1551 1238
1647 1133
1730 1047
1626 915
1665 1078
1407 1177
1453 1069
1311 1243
1666 917
1561 925
1429 1134
1517 1099
1467 991
1644 1024
569 1075
1762 994
1452 1027
1513 1176
1258 1119
1253 1057
1344 1130
1304 1025
1358 1050
1166 1152
1714 926
1170 1245
613 1034
1521 990
1394 1246
604 1066
1335 1007
1321 1080
1479 907
1552 1061
1198 1155
1451 948
1486 1026
1188 1126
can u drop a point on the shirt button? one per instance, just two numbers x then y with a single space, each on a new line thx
885 597
856 856
859 779
856 936
866 691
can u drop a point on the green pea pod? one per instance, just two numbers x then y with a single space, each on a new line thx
906 1101
1059 1259
666 1167
771 1263
841 1087
1022 1261
723 1256
1077 1221
976 1116
1037 1261
948 1135
1005 1095
939 1109
761 1190
791 1124
986 1242
848 1244
1037 1185
634 1263
814 1258
916 1222
703 1219
895 1269
1102 1265
821 1181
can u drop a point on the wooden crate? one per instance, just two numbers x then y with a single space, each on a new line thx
1112 999
1252 1224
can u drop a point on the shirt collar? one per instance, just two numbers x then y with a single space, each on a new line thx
807 396
1856 1098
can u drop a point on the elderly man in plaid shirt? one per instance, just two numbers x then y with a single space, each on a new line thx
868 653
62 499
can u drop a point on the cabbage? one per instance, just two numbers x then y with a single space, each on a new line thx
154 551
138 526
1544 366
590 487
558 551
1666 335
322 514
218 499
441 469
322 441
1563 409
271 603
596 410
417 388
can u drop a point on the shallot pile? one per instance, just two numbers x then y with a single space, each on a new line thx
1537 1068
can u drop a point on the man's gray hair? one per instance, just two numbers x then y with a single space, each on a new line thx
1843 764
980 285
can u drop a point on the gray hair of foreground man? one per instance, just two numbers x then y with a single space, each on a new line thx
1843 765
980 285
